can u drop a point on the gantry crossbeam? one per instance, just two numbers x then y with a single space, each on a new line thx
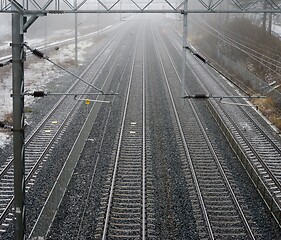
36 7
25 13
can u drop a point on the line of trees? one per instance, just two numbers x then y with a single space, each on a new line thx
267 17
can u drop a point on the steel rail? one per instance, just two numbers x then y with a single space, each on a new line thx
256 165
29 175
193 172
71 88
98 157
56 106
143 146
241 133
97 161
36 131
264 134
266 193
69 166
252 148
239 105
257 171
217 161
56 188
47 117
39 160
120 139
259 178
61 43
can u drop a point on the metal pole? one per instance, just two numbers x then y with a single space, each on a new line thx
18 56
98 20
120 10
76 40
184 45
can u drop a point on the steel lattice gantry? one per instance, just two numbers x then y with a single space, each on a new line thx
24 14
135 6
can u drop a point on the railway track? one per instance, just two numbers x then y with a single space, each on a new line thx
46 135
125 205
219 208
63 42
263 155
258 142
219 212
124 211
255 143
90 189
41 227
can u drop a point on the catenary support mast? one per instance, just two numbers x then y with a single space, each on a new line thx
184 46
18 56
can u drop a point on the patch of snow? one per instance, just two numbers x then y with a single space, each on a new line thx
37 74
4 139
4 30
6 100
5 45
276 29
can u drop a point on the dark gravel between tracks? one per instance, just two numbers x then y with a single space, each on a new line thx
67 222
93 163
174 216
264 225
36 197
69 217
261 219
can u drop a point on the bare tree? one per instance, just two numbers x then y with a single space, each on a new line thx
267 17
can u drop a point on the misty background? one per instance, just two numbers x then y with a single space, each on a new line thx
244 47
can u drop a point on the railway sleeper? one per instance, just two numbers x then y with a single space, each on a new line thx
128 199
125 225
124 192
128 219
128 208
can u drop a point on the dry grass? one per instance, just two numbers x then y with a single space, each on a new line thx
267 107
67 63
268 45
8 118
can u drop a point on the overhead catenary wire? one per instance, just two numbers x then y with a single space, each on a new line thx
229 41
5 63
41 55
255 57
6 126
249 41
43 94
243 45
256 52
207 96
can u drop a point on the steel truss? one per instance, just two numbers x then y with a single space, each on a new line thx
24 14
37 7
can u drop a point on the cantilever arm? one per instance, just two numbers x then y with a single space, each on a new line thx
41 55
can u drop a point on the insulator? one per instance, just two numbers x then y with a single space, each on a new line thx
39 94
38 53
200 57
2 124
201 95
